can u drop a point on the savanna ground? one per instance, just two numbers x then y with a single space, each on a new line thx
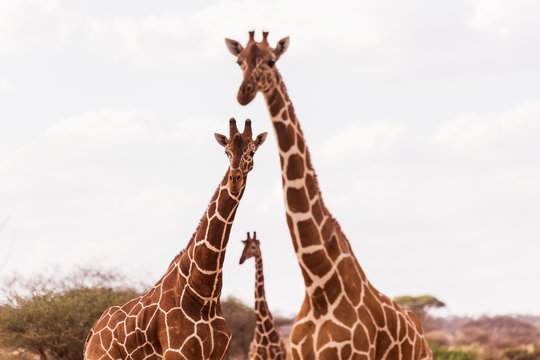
48 317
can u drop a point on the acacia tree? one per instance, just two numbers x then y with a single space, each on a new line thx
419 304
241 319
51 316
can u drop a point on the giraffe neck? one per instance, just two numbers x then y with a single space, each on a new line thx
202 260
262 312
313 229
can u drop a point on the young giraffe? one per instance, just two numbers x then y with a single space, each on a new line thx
180 317
266 343
343 316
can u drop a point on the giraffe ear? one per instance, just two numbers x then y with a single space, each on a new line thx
281 47
260 139
221 139
234 47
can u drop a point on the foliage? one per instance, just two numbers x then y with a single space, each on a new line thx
419 304
521 354
438 337
241 319
442 353
498 333
17 354
52 317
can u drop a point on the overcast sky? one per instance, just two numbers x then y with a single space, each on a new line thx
423 119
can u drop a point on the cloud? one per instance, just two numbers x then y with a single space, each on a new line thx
34 24
156 201
48 152
349 24
503 17
159 39
199 130
361 138
97 128
148 41
476 135
17 164
524 183
5 85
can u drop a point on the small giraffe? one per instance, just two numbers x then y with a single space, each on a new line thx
266 343
343 316
180 317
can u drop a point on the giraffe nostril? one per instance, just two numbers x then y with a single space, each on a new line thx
230 177
237 177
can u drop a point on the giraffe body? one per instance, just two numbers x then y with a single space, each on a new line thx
267 342
343 316
180 317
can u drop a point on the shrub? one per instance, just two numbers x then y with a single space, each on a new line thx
241 319
52 317
442 353
522 354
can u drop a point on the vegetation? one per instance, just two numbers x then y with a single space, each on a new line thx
241 319
521 354
49 317
442 353
52 317
419 304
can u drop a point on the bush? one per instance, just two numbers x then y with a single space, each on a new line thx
442 353
521 354
241 319
420 305
437 337
52 317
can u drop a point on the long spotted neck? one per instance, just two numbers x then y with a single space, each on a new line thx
206 251
263 315
312 227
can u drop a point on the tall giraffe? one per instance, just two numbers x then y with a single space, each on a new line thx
266 343
180 317
343 316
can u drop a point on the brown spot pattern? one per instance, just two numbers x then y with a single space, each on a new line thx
286 137
297 199
295 167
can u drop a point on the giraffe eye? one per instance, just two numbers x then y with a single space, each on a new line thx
252 153
271 63
239 63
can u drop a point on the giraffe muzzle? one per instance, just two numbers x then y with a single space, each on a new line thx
235 181
246 93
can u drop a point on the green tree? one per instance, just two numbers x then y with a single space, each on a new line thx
442 353
419 304
241 319
52 316
522 354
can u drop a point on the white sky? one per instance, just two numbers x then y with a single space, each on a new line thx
423 119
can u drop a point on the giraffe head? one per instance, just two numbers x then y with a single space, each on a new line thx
240 148
257 61
251 247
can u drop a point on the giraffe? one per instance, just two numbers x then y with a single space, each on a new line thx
342 316
267 342
180 317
